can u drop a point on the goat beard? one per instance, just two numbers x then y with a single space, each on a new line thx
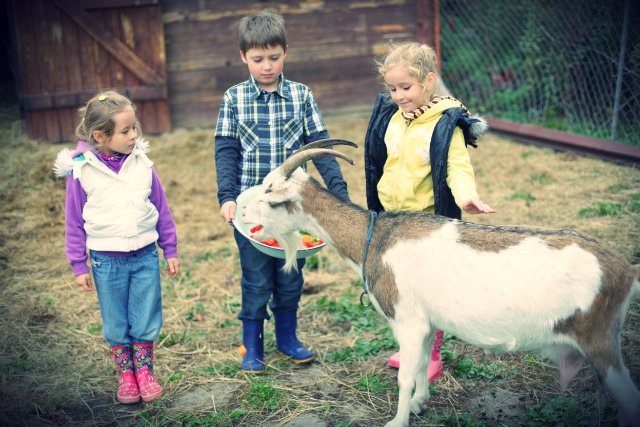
290 243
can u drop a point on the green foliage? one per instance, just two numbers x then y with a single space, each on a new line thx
460 420
601 209
94 328
373 384
262 394
226 369
560 411
196 312
464 367
223 418
349 310
522 195
529 64
542 178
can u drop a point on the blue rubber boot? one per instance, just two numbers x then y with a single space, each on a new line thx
286 340
253 341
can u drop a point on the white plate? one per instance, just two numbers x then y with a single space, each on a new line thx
243 199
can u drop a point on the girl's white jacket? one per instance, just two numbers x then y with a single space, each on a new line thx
118 215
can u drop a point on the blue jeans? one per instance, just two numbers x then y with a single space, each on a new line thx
263 279
129 294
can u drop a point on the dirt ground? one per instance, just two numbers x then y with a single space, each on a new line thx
55 367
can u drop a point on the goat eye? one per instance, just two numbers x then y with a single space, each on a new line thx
274 205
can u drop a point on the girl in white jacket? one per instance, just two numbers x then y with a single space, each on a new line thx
116 207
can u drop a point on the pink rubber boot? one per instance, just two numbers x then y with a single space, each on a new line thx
128 391
149 387
435 364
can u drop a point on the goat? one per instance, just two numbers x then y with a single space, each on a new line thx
502 288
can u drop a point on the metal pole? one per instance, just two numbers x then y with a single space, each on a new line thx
623 46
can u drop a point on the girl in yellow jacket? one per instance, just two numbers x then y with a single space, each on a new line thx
416 157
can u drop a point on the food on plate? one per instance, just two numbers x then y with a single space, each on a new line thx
307 240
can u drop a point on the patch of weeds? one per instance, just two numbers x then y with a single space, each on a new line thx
460 420
20 364
207 256
373 384
48 301
216 418
633 206
263 395
601 209
560 411
196 312
94 328
232 306
227 369
176 376
362 349
349 310
311 263
228 323
542 178
170 339
225 252
614 188
522 195
526 154
465 368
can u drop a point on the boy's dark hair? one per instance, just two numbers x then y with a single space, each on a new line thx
262 30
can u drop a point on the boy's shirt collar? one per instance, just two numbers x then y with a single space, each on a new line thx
283 88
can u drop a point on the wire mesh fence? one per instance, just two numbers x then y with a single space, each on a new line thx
560 64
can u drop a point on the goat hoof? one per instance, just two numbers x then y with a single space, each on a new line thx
418 408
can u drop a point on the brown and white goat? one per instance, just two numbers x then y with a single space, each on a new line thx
555 292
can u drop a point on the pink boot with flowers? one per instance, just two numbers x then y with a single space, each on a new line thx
128 391
143 359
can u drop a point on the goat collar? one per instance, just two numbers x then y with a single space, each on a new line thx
365 289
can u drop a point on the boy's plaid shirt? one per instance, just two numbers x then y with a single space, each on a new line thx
269 126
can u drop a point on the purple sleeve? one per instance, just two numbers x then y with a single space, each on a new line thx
166 228
75 236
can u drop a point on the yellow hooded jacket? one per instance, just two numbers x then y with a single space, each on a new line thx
406 183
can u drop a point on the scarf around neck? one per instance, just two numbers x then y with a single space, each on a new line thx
412 115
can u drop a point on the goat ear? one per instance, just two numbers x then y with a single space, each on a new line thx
279 195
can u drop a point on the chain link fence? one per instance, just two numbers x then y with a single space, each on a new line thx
560 64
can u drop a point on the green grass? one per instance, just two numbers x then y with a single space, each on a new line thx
521 195
601 209
374 384
262 394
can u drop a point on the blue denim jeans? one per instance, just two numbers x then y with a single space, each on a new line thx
129 294
263 279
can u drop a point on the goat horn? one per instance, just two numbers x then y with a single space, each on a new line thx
298 158
324 143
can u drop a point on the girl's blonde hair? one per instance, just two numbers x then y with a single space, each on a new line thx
97 115
419 60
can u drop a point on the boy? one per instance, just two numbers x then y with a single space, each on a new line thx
261 122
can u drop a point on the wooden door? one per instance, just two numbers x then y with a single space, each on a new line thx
65 51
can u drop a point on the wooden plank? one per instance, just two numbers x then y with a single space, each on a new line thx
109 42
78 98
111 4
116 69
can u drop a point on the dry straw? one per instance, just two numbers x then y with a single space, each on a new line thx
56 367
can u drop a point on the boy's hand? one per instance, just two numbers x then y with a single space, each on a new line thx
174 267
228 211
477 207
84 281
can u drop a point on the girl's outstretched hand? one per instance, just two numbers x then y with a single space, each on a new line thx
477 207
84 281
174 267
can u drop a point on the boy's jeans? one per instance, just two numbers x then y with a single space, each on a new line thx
263 278
129 294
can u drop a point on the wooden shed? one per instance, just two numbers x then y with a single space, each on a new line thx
175 58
